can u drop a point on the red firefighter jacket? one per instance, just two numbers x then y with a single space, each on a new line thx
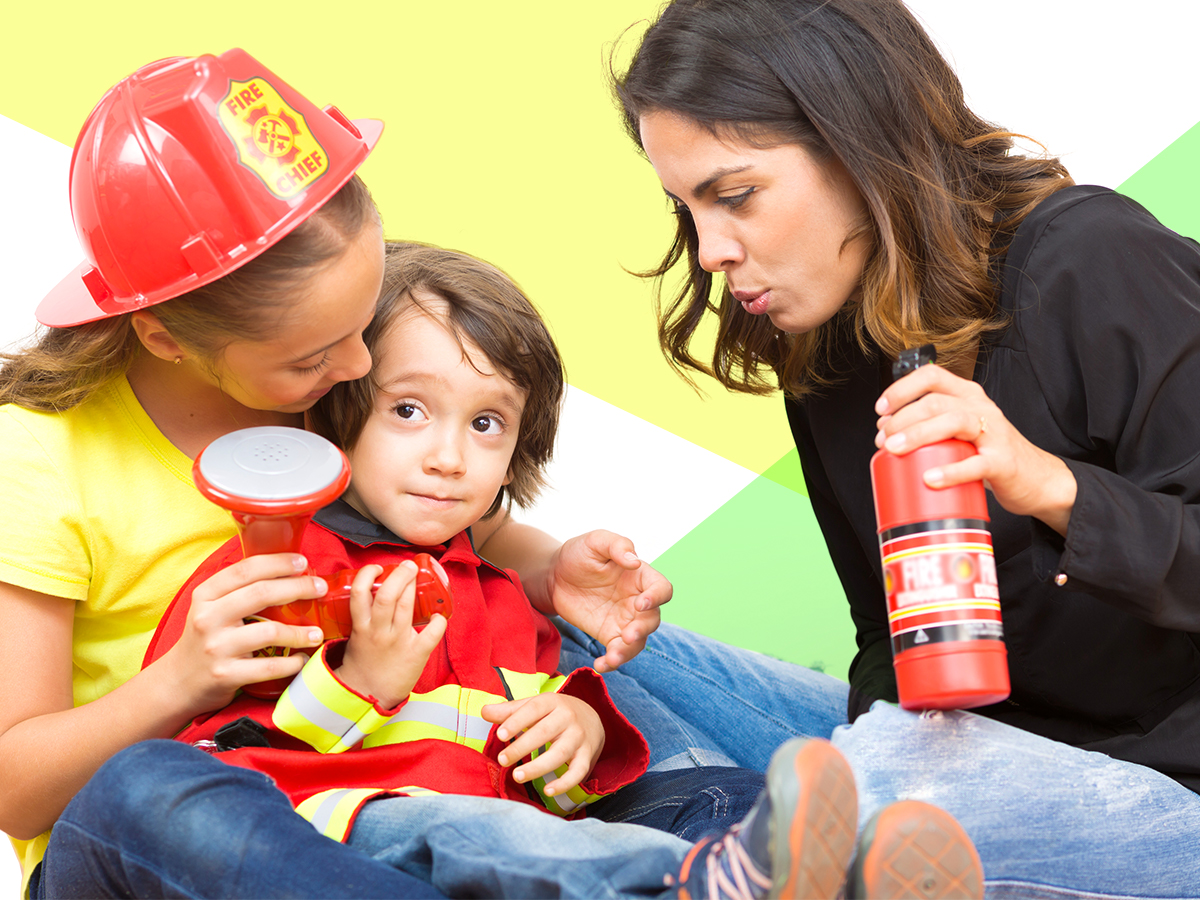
496 647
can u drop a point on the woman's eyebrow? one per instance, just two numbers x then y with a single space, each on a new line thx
699 190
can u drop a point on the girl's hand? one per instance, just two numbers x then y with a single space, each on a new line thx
571 727
597 583
932 404
214 655
385 655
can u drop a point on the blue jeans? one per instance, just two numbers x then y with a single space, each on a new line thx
162 819
484 847
1049 820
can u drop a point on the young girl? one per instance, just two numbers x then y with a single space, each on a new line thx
233 263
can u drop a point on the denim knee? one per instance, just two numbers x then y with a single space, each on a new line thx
164 790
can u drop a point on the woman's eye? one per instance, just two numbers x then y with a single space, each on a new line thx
679 209
486 424
736 200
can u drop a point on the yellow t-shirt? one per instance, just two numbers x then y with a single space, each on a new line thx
101 509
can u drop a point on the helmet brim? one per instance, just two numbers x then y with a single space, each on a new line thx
71 302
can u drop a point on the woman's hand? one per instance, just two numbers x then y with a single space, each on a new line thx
386 655
571 728
597 583
932 404
215 654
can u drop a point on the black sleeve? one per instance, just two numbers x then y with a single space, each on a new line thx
1107 306
871 674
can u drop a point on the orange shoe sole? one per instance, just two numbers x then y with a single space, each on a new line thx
914 850
813 847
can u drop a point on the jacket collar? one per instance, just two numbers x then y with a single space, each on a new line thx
350 525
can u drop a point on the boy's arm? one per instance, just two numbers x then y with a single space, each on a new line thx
594 581
324 712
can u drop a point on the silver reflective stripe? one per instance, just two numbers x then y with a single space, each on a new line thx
325 811
315 711
353 736
443 716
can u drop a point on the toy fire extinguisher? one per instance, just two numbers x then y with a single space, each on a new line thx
939 575
272 480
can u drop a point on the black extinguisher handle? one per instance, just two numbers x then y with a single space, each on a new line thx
911 359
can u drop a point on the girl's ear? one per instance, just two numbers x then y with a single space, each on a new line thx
155 337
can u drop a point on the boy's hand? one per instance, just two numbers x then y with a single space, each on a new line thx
385 654
571 727
597 583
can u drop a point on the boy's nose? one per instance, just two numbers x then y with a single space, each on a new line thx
445 456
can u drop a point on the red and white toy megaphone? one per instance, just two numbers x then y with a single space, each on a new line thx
272 480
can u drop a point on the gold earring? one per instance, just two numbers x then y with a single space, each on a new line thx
178 360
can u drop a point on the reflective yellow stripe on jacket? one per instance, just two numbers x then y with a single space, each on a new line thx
449 713
332 812
318 710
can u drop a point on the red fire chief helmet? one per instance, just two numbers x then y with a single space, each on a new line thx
188 169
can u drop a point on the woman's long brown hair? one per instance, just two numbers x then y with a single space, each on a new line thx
861 82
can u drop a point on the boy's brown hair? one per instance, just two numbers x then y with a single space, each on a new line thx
486 308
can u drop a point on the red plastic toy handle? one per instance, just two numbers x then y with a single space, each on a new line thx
331 613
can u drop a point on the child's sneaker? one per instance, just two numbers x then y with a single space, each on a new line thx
912 849
795 843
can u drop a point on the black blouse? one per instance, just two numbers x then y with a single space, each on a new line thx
1100 365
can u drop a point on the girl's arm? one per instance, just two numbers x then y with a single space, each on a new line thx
594 581
49 748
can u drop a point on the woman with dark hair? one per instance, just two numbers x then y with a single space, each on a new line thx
837 202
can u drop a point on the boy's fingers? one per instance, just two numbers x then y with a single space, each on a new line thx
431 634
543 765
524 717
360 595
576 772
399 591
534 738
498 712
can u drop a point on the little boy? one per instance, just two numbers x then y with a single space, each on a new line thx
459 415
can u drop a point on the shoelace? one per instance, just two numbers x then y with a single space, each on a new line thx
739 865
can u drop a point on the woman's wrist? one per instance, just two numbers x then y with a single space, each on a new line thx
1058 496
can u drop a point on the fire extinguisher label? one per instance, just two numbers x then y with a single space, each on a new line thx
272 139
940 581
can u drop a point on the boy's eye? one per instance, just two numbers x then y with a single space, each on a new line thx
409 411
486 424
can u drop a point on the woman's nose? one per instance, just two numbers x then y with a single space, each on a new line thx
719 250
